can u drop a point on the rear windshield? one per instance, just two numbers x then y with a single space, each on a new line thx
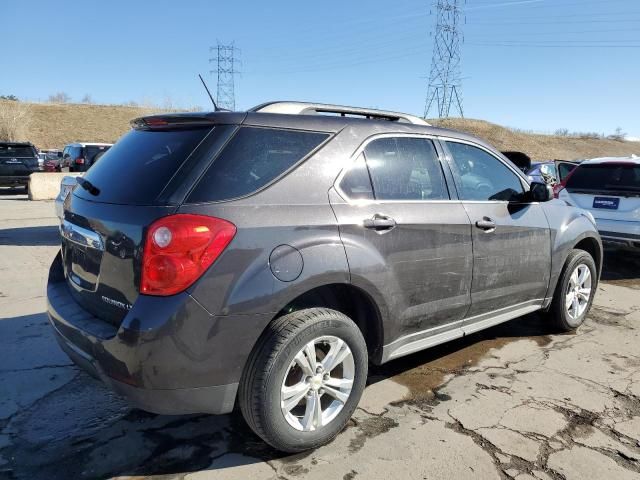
91 151
607 178
16 151
253 158
137 168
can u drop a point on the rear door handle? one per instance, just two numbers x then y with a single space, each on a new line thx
486 224
379 223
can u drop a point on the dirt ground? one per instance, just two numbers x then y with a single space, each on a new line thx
515 401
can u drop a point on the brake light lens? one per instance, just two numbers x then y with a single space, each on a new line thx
179 249
80 161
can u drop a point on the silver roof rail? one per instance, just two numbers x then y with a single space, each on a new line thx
305 108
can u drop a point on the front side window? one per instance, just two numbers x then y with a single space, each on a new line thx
405 168
482 176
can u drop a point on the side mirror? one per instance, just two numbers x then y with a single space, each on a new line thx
540 192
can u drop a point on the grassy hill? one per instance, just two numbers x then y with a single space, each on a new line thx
54 125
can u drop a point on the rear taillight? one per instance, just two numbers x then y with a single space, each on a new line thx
80 161
178 250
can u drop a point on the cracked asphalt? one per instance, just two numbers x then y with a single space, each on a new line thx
515 401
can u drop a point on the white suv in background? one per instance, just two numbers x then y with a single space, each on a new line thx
610 189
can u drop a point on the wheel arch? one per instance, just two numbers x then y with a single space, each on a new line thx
350 300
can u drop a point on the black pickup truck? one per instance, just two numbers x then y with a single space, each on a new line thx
17 162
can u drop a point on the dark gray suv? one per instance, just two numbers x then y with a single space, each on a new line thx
266 257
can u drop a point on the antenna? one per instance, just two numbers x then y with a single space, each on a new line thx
215 107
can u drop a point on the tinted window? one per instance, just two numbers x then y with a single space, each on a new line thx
405 168
7 151
91 151
483 176
137 168
356 183
252 159
606 178
564 169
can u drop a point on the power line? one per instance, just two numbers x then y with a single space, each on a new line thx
445 77
225 61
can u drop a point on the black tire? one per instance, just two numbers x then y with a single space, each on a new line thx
259 392
558 313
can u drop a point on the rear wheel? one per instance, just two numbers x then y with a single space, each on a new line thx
304 379
575 291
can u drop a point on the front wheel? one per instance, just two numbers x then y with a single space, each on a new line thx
575 291
304 379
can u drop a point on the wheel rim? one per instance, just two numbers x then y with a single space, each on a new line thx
317 384
578 291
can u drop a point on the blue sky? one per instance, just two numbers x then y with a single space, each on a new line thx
531 64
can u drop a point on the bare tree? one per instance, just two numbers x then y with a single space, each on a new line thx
562 132
86 99
59 97
14 120
618 135
12 98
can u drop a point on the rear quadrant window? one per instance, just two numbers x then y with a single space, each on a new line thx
356 183
252 159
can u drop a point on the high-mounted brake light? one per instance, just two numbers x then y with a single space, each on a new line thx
179 249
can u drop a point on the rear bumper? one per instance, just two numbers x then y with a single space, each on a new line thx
9 180
168 355
619 233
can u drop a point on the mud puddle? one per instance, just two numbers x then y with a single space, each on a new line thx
424 372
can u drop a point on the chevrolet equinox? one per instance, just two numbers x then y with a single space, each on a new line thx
266 257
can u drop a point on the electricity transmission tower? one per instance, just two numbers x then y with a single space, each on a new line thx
226 63
445 77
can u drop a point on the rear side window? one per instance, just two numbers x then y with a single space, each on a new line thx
613 177
252 159
405 168
137 168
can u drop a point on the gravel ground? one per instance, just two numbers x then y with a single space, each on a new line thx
515 401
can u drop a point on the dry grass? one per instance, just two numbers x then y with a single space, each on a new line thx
54 125
540 147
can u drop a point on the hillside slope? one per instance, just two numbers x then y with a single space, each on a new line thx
54 125
540 147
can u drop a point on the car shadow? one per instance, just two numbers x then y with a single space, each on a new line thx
621 266
48 235
89 431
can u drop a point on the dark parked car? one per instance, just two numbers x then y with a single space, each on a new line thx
266 257
17 162
79 157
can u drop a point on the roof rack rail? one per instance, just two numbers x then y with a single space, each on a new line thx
305 108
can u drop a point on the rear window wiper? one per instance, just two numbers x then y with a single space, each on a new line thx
88 186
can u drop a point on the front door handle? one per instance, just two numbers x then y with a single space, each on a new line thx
379 223
486 224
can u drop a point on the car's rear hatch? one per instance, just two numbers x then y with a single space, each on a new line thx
17 160
610 190
139 180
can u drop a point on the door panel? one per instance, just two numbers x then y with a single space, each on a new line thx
511 237
422 267
512 262
404 237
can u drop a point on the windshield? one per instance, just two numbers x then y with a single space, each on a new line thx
610 177
16 151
